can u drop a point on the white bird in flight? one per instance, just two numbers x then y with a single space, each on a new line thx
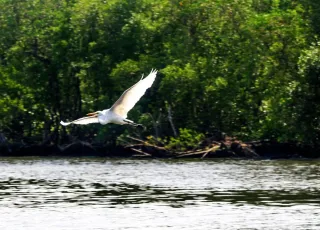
117 114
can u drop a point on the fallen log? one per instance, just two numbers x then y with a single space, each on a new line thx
140 151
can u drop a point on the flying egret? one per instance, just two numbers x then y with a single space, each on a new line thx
117 114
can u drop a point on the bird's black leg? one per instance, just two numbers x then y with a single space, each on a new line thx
129 122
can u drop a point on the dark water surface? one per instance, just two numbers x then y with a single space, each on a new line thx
86 194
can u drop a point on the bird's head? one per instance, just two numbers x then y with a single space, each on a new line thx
100 112
104 112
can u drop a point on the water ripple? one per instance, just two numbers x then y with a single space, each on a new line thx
35 192
127 194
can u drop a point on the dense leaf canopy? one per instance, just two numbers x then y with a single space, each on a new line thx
249 68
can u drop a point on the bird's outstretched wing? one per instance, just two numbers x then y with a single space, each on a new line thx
132 95
82 121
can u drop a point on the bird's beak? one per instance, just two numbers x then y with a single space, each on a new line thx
92 114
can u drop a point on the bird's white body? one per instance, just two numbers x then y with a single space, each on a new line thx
108 116
117 114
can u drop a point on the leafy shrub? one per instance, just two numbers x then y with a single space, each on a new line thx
187 139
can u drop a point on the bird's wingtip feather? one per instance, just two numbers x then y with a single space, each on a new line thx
64 123
153 71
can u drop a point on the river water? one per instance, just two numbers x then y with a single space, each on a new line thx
46 193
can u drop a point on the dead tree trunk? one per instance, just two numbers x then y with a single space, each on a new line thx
171 122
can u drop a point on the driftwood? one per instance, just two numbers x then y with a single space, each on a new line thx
139 151
227 148
252 152
203 152
143 143
210 150
134 145
150 149
136 139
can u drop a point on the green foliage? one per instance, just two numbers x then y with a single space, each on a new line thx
247 68
187 139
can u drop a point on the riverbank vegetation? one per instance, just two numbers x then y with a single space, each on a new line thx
249 69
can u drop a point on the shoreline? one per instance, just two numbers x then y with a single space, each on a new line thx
222 149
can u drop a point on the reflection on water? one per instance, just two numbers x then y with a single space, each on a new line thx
132 194
35 193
